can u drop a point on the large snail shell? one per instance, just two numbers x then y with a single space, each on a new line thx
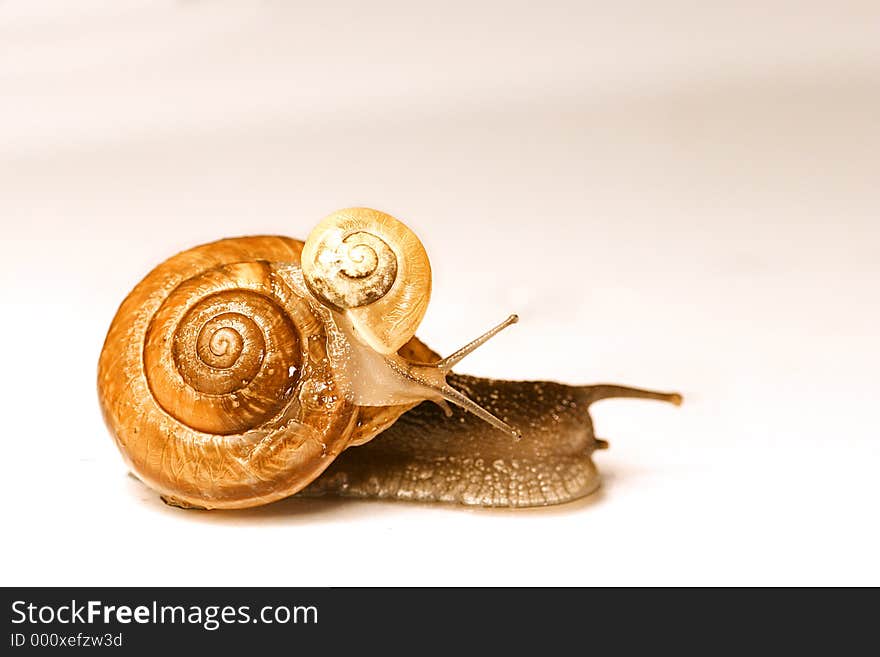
216 383
370 266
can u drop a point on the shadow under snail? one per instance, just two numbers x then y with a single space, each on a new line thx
247 370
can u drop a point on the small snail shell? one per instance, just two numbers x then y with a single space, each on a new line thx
371 267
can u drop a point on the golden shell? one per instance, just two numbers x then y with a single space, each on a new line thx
215 379
374 269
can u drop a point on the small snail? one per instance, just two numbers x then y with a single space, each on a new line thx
241 372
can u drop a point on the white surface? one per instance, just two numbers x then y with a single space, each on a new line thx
681 196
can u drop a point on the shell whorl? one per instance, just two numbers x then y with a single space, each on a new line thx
371 267
235 352
350 271
215 378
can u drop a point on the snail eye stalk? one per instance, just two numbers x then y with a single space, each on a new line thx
451 361
434 376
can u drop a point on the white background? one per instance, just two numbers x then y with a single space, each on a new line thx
677 194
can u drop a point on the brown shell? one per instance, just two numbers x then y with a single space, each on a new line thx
215 383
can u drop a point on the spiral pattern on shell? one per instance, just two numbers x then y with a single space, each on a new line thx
373 268
215 378
351 270
235 353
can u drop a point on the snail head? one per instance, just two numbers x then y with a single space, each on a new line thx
370 273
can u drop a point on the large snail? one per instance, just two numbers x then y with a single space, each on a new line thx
241 372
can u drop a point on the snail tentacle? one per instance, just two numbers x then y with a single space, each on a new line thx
452 360
433 376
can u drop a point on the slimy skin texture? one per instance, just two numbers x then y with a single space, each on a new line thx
426 456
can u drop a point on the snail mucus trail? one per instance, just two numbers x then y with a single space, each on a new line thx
250 369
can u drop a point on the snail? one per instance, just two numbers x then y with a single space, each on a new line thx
250 369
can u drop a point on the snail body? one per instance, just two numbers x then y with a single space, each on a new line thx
427 456
237 372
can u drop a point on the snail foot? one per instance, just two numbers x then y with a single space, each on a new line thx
180 504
